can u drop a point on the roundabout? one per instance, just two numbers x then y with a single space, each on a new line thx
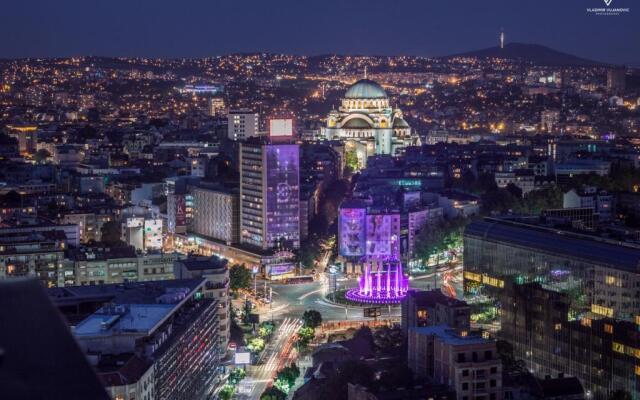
387 285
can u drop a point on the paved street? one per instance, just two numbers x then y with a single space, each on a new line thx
292 300
289 303
274 357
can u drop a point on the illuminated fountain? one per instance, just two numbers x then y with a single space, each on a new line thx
386 285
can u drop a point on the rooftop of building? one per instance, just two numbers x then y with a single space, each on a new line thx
22 238
121 369
451 336
591 249
204 263
101 253
121 293
433 297
124 318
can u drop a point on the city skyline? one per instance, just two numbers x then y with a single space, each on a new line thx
161 29
325 210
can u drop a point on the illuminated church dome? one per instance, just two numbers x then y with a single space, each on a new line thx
365 89
367 123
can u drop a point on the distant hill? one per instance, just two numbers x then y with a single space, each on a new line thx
534 53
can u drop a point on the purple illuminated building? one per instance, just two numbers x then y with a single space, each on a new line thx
373 236
386 285
269 194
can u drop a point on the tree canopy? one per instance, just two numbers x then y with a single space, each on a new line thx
239 277
312 318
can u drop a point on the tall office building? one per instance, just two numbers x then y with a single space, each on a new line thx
242 124
270 190
600 274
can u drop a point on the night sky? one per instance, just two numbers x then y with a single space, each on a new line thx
199 28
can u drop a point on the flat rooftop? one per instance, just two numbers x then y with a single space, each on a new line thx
449 335
592 250
121 293
138 318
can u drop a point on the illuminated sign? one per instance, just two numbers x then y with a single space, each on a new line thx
181 211
383 232
352 232
280 269
242 358
472 276
484 278
281 127
602 310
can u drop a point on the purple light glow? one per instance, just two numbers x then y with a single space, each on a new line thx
387 285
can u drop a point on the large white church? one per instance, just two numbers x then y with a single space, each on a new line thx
367 124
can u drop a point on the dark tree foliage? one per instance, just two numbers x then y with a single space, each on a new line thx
111 233
312 318
239 277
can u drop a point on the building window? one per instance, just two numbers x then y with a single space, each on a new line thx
465 372
465 386
608 328
461 357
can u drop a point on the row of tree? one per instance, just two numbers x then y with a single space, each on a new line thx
436 238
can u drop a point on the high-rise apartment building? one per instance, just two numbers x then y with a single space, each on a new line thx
242 124
270 194
152 340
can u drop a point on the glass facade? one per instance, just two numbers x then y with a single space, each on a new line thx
521 254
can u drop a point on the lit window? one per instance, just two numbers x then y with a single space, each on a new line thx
608 328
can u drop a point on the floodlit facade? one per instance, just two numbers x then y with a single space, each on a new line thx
368 124
215 214
269 194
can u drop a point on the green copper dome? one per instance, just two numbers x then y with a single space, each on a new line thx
365 89
400 123
357 123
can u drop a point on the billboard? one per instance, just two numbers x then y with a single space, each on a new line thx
153 234
281 127
352 232
280 269
383 236
283 194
